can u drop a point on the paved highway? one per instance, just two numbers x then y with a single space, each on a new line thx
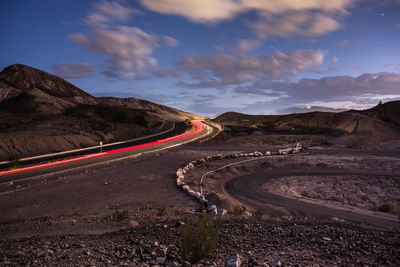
172 130
249 190
136 147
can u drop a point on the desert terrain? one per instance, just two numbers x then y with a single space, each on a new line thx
335 203
65 217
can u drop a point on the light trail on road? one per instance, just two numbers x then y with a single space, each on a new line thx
198 128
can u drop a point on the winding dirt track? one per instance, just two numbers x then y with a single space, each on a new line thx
249 190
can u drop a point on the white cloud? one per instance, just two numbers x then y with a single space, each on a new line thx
336 88
128 49
69 70
292 24
349 42
333 63
210 11
223 70
244 46
204 11
279 17
105 12
171 42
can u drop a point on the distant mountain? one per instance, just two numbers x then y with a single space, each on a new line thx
41 113
308 109
352 128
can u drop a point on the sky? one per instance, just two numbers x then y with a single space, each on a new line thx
213 56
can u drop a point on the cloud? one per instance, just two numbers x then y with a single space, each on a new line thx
169 41
204 11
348 42
280 18
333 63
219 48
295 23
104 13
211 11
71 71
398 25
244 46
165 73
336 88
308 109
128 49
225 70
343 42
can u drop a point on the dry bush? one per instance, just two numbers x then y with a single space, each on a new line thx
198 240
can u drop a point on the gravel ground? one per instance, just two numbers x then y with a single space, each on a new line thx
364 192
155 241
72 218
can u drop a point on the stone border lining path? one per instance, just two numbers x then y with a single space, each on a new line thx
199 196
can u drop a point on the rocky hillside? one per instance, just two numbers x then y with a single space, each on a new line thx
42 113
351 128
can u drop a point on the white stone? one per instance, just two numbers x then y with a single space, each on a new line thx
234 262
186 188
212 209
222 212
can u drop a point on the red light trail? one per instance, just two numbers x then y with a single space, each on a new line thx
199 127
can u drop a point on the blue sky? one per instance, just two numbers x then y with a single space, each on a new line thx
212 56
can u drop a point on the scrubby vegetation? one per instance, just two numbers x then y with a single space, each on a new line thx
238 210
388 206
120 215
189 124
198 240
258 214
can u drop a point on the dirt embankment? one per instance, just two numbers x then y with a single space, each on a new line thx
15 147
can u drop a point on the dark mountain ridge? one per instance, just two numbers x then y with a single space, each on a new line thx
364 129
42 113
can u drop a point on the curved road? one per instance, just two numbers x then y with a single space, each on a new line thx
177 128
249 187
144 145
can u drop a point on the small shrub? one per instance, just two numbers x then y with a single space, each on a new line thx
14 162
161 211
189 125
198 241
238 210
276 214
388 206
258 214
365 197
121 215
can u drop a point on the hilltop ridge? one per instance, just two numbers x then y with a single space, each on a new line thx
361 129
42 113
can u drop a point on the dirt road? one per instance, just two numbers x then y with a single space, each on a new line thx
249 188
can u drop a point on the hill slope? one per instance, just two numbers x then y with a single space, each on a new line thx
364 129
42 113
